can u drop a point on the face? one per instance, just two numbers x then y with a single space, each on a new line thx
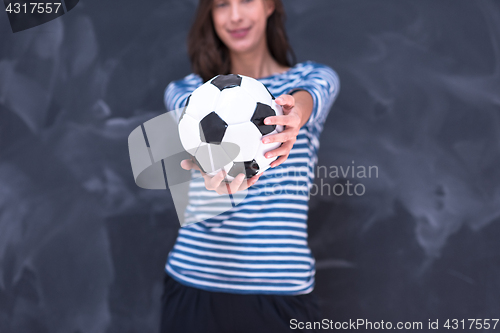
241 24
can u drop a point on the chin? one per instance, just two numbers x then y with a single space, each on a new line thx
241 47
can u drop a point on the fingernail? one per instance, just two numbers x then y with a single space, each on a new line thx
266 140
267 121
269 155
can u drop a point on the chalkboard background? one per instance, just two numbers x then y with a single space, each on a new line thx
82 248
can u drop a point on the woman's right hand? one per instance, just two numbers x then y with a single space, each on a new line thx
217 183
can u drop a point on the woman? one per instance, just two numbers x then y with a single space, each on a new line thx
250 269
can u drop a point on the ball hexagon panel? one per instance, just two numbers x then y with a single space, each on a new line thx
246 136
235 170
189 133
249 168
212 128
202 101
261 112
235 105
226 81
257 90
264 163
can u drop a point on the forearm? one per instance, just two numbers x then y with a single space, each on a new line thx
303 105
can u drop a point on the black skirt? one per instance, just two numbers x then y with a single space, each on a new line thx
192 310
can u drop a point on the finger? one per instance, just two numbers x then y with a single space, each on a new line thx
286 101
290 120
186 164
252 181
189 164
224 186
279 160
212 183
284 136
249 182
281 150
236 183
246 183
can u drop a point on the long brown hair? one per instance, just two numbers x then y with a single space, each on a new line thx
210 56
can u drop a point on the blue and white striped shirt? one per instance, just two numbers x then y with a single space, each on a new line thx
259 246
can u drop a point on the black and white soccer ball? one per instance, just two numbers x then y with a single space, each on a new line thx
222 126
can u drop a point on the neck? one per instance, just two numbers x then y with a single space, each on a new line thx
256 64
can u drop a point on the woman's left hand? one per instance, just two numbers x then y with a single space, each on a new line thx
291 120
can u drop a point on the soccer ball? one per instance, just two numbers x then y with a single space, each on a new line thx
222 126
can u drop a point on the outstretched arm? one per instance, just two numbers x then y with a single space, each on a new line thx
296 112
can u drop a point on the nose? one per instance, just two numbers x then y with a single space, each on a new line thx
235 11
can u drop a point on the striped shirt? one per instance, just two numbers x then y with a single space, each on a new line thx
259 246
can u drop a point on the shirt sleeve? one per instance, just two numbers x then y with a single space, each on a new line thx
175 97
177 92
323 84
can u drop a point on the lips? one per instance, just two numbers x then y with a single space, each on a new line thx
239 33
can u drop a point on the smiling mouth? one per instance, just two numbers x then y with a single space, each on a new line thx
238 33
238 30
